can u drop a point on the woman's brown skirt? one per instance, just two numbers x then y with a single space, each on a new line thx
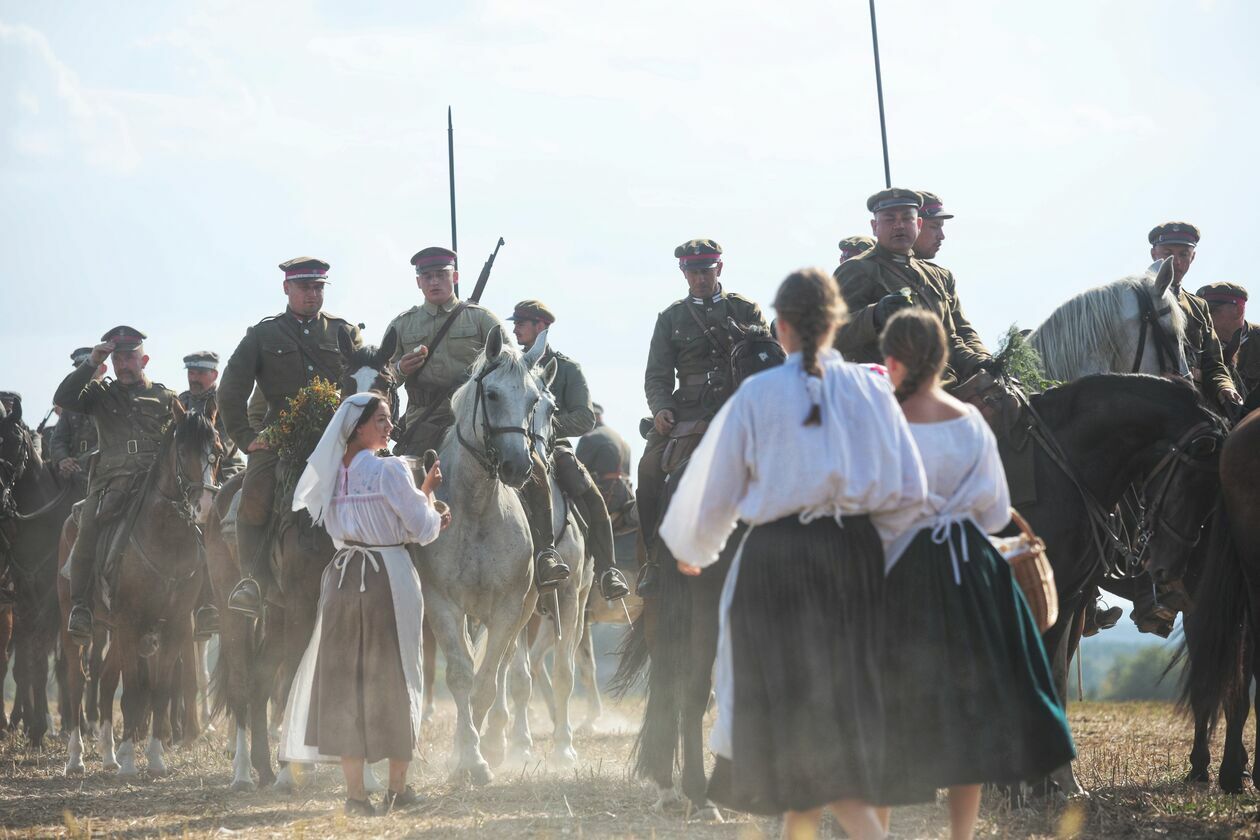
359 701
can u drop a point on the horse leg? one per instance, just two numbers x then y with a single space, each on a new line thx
572 604
96 653
106 671
521 682
134 697
706 597
189 667
447 622
544 638
6 636
73 697
201 674
1060 642
429 642
588 676
263 677
494 741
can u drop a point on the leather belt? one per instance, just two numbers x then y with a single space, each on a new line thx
131 447
692 379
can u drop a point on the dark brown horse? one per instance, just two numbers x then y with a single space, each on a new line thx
257 657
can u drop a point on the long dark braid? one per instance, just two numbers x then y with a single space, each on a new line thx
916 338
810 301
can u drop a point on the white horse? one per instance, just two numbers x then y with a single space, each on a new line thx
571 598
481 568
1133 325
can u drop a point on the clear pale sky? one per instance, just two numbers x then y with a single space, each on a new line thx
159 159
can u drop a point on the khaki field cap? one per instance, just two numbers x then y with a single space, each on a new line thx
933 207
698 253
851 246
435 256
203 359
532 310
895 197
124 337
1174 233
1223 292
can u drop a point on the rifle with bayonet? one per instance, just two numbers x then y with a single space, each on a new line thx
484 277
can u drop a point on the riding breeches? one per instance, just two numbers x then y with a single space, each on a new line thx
83 553
651 486
536 496
258 488
577 484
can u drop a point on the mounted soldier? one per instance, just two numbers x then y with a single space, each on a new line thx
438 342
926 246
851 246
1178 241
574 417
889 278
686 380
606 456
203 378
74 437
283 354
1240 340
130 413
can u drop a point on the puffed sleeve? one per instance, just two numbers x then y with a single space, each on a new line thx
992 508
705 507
421 522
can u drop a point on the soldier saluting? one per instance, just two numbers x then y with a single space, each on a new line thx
130 412
283 354
686 373
574 417
888 278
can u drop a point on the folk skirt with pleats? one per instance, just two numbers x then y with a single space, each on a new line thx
800 711
969 694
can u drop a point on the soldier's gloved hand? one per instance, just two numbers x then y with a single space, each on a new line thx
664 420
992 365
67 466
888 306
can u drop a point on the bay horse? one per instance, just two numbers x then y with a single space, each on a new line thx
258 658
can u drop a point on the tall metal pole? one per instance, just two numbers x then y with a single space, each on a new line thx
879 90
450 160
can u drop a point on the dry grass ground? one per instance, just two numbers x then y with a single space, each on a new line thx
1133 757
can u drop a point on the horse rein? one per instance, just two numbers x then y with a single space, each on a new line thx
1177 455
490 457
1149 317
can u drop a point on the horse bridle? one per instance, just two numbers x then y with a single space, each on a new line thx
1176 456
1149 317
490 458
186 489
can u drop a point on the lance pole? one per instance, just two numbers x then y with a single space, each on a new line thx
450 163
879 92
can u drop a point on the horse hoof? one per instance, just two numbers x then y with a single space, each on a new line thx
520 756
1232 785
129 773
1198 777
159 772
708 814
75 770
427 714
110 766
284 786
565 759
243 786
480 775
668 802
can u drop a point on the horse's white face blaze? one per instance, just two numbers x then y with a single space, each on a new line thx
541 426
205 499
364 378
510 398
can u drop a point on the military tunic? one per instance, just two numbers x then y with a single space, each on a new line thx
1203 350
870 276
962 327
282 354
575 416
232 462
74 436
429 391
1242 356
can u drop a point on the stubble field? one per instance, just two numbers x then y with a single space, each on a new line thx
1133 758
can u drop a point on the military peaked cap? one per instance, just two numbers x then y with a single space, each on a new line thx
532 310
435 256
851 245
933 207
80 355
597 408
1223 292
124 337
895 197
305 268
203 359
1174 233
698 253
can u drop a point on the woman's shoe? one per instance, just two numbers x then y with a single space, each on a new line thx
400 799
359 808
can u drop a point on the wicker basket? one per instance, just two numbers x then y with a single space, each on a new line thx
1031 567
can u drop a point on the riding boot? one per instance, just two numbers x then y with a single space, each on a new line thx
246 597
549 570
1148 613
646 584
1098 617
600 540
83 574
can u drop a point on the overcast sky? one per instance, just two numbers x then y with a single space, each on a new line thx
159 159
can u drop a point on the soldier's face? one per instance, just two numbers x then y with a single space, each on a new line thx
201 380
897 228
526 331
1227 319
703 282
129 365
306 297
1182 256
930 238
438 285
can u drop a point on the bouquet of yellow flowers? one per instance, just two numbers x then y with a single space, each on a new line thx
296 432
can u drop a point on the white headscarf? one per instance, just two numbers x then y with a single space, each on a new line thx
315 488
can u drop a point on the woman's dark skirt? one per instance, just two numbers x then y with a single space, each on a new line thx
360 707
804 627
970 698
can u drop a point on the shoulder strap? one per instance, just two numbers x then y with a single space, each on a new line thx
441 334
708 333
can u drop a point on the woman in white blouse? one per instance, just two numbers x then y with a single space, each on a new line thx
358 693
968 689
816 456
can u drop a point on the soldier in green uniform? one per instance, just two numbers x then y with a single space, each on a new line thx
926 246
203 379
574 417
1177 241
686 373
439 340
889 278
74 437
851 246
283 354
606 456
130 413
1240 340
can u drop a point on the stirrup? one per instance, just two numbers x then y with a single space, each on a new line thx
612 585
246 598
645 584
556 571
79 624
205 622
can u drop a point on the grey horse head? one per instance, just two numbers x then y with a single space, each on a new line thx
541 428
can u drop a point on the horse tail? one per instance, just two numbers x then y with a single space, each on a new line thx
632 656
1213 649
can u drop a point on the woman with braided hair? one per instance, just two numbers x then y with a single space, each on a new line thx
969 697
817 458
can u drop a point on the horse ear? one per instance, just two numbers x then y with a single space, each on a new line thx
386 351
345 343
178 411
549 372
212 409
1163 271
536 352
494 344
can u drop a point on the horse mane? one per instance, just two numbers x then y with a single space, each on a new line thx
1084 327
196 428
509 357
1058 404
